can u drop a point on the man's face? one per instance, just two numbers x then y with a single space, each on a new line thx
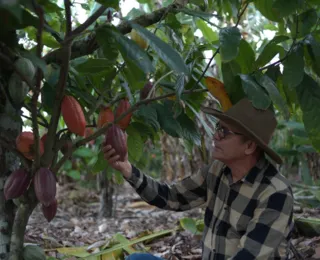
228 144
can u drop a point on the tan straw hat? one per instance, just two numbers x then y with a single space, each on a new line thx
257 124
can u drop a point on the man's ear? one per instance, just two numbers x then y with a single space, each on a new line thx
251 146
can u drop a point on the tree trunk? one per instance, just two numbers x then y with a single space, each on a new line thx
314 165
106 187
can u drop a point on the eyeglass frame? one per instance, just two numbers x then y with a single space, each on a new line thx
223 132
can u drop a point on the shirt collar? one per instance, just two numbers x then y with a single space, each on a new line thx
252 175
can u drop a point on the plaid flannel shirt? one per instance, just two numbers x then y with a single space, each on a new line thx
249 219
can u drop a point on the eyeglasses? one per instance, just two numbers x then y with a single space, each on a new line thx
223 131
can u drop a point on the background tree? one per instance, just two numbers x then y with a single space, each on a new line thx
155 59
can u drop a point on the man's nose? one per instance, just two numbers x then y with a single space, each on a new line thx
216 136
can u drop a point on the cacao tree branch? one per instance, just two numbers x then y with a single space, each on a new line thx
34 99
67 6
103 129
10 63
88 22
82 47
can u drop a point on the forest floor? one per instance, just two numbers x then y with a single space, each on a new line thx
77 224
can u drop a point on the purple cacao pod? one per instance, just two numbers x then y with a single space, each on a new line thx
117 139
50 211
45 186
16 184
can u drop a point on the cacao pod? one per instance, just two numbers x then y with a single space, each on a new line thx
45 186
26 67
138 39
144 92
123 107
25 145
105 116
18 89
50 211
117 139
33 252
16 184
73 115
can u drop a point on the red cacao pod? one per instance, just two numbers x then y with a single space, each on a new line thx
25 145
50 211
105 116
117 139
123 107
44 138
16 184
73 115
144 92
45 186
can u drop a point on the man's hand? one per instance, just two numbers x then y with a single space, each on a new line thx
113 159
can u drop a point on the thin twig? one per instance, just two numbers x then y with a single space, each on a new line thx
241 13
103 129
88 22
67 6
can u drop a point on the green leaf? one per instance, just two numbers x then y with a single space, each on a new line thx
108 44
83 152
255 92
308 93
48 97
49 40
232 83
305 22
93 66
189 224
313 51
189 129
109 3
266 9
135 144
229 43
169 55
40 63
293 71
132 51
180 86
286 7
101 164
148 114
271 50
85 6
74 174
246 57
167 122
134 75
271 88
208 33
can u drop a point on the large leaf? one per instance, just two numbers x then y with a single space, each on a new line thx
108 44
180 85
229 43
197 13
93 66
232 82
305 22
313 53
208 33
286 7
132 51
189 130
246 57
271 88
266 9
308 93
110 3
148 114
169 55
293 71
135 144
255 92
271 50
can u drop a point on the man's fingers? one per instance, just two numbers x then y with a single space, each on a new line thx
106 148
109 153
114 159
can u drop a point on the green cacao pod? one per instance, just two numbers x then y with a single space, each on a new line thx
33 252
117 139
45 186
26 67
18 89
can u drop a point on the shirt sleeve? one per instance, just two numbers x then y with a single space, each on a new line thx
183 195
268 228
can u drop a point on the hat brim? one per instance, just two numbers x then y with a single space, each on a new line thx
244 130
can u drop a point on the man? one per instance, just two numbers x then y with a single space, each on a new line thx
249 205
